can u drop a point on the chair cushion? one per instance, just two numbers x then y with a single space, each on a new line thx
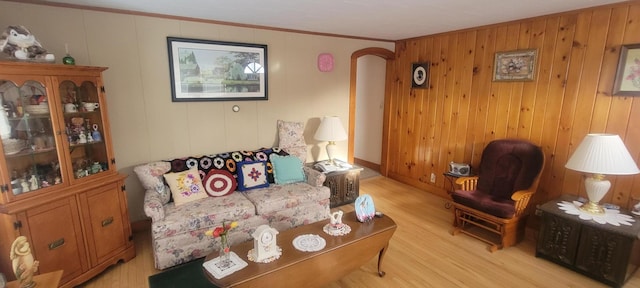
507 166
499 207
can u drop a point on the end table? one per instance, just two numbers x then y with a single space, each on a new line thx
451 179
600 251
344 185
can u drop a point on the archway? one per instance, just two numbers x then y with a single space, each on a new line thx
389 56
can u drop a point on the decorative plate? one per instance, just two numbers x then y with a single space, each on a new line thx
309 243
338 230
365 210
12 146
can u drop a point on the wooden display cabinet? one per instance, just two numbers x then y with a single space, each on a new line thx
59 186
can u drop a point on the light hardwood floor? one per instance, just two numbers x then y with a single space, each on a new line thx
422 252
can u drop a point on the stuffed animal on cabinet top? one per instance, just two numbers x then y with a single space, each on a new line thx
18 42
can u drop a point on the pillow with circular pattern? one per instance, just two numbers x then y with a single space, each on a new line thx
219 183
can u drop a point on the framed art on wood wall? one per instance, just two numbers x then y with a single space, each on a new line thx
627 81
204 70
420 75
518 65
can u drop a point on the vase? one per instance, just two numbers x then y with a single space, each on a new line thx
225 251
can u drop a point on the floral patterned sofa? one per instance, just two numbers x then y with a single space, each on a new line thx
178 231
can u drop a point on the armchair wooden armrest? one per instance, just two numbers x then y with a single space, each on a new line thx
467 183
521 198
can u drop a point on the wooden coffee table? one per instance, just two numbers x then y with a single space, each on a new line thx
294 268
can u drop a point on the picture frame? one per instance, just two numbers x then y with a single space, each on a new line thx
206 70
420 75
627 81
516 65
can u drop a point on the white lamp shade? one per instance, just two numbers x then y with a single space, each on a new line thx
602 154
330 130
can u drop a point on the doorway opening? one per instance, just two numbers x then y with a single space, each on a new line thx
368 108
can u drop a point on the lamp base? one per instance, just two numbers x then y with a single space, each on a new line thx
331 151
592 208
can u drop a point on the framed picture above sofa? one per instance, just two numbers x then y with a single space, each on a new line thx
205 70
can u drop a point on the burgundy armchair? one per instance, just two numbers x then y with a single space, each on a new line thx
492 206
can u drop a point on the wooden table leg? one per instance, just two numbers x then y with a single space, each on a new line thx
380 258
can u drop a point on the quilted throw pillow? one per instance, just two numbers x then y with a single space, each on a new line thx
150 176
252 175
287 169
219 183
186 186
290 134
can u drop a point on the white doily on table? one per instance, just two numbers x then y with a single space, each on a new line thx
309 243
339 230
218 270
610 216
252 256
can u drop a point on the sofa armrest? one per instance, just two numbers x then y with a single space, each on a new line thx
153 207
314 177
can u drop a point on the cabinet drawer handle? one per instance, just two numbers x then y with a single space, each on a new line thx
107 222
56 244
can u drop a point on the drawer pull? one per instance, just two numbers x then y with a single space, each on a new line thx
107 222
56 244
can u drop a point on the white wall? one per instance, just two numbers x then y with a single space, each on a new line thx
147 126
370 85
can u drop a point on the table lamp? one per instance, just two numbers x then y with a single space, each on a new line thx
330 130
600 154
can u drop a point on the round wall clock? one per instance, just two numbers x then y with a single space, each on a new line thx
325 62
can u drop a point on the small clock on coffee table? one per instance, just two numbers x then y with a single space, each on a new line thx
264 244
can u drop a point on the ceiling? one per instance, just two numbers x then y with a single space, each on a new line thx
376 19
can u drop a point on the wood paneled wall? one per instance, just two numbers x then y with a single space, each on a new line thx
463 109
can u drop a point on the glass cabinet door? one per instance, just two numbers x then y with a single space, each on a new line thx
28 140
83 127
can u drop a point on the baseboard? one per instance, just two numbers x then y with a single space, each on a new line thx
141 225
365 163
